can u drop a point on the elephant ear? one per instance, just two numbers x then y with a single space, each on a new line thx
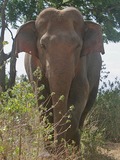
92 41
26 39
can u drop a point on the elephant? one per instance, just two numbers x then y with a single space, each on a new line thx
68 51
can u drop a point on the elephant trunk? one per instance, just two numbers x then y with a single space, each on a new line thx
60 82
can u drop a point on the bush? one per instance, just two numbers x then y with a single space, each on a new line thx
25 131
23 135
21 132
106 112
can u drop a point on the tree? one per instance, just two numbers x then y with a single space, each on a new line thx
105 12
17 12
3 56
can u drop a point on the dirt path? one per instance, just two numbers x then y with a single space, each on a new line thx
112 150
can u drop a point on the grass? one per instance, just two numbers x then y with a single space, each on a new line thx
23 136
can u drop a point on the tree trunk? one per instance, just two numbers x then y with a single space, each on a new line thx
2 72
2 55
12 68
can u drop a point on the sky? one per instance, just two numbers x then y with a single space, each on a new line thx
111 58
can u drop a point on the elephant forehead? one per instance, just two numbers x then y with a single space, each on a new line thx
61 18
69 12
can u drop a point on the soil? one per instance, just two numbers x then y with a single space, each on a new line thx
111 150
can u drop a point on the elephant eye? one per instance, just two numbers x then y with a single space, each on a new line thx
42 46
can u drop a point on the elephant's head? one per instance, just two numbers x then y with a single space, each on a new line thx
59 39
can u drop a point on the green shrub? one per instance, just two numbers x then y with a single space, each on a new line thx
102 122
21 133
106 112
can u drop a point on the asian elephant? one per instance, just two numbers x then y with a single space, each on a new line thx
67 50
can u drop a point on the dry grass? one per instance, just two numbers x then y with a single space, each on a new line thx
24 137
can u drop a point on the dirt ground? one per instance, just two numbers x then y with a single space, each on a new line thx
111 150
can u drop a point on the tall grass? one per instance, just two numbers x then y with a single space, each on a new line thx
23 136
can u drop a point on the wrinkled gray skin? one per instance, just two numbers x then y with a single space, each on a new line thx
67 49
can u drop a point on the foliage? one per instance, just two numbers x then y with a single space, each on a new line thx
21 132
92 138
107 110
24 128
25 131
105 13
103 122
3 56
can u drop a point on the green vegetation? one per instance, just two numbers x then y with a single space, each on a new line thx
107 110
22 134
103 122
106 13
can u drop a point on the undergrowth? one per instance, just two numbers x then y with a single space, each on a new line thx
106 111
24 137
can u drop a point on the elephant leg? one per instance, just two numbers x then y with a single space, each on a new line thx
88 107
80 114
75 139
78 98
